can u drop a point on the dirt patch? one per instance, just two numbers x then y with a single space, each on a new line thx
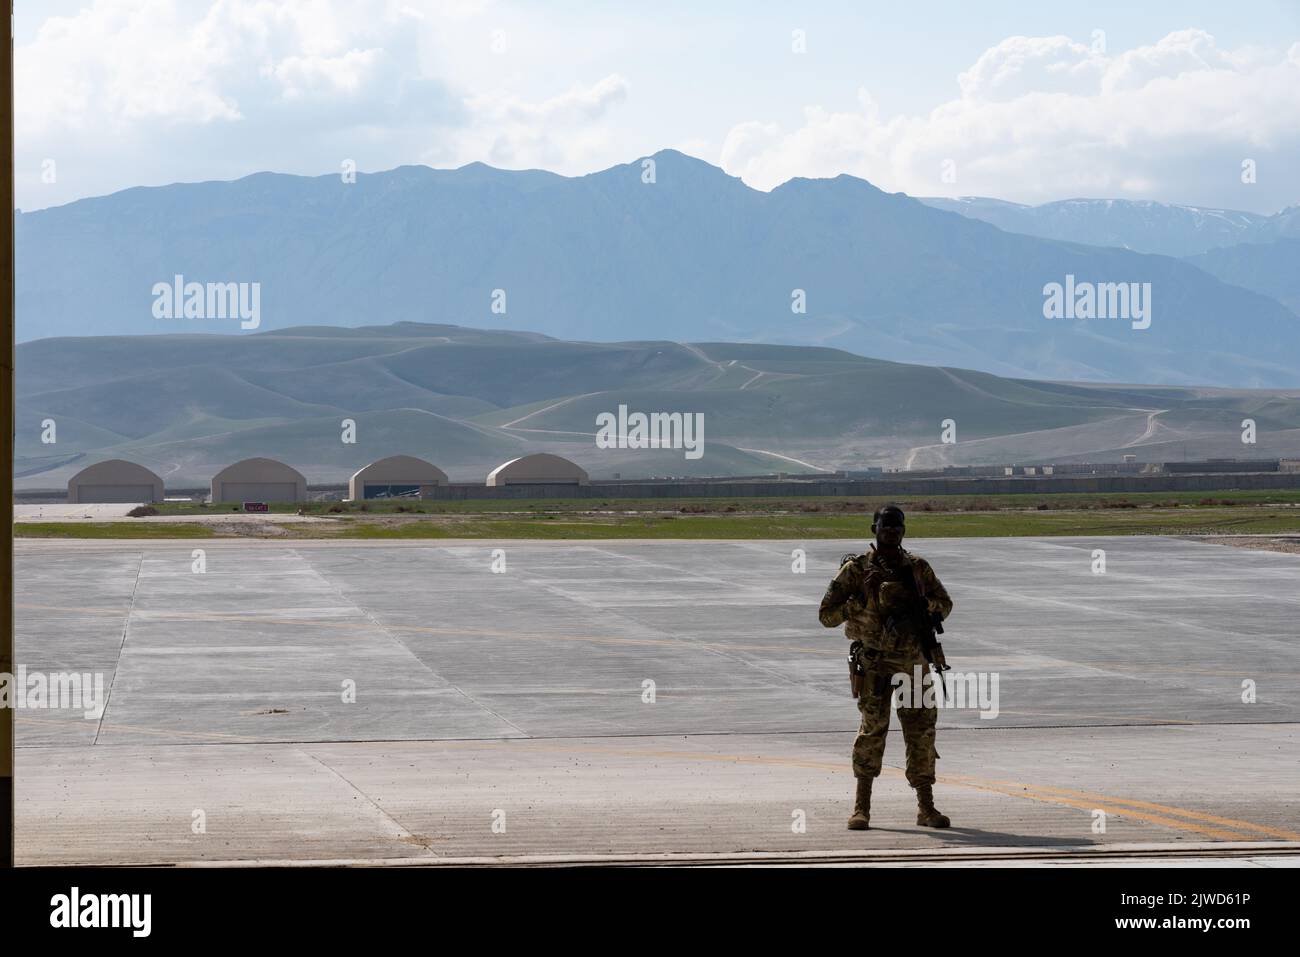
248 530
1283 543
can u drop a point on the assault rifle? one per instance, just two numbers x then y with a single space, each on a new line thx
929 625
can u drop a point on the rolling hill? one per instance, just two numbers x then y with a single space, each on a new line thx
186 405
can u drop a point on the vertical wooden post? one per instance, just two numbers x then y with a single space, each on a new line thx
7 417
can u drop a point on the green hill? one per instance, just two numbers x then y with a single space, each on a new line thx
187 405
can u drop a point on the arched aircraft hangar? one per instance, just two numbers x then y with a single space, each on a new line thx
541 468
398 476
258 480
115 480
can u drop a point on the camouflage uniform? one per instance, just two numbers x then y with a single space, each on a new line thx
888 649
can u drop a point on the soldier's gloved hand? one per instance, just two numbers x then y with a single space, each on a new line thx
870 581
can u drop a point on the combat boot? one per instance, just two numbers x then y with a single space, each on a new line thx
927 815
861 819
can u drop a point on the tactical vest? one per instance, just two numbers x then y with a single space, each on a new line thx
895 600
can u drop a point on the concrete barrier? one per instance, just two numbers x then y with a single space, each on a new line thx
1037 485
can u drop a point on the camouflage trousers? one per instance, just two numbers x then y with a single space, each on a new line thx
874 703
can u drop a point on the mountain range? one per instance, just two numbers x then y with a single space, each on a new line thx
670 249
1140 225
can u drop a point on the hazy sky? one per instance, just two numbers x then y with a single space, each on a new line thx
1030 101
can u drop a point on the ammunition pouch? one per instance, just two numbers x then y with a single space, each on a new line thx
872 680
901 631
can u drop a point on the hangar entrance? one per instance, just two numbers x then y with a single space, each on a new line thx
115 494
259 492
373 490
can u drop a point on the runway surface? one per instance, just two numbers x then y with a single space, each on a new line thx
646 702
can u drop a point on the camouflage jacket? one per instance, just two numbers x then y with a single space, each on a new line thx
865 614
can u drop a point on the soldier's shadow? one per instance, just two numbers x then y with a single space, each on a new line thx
976 837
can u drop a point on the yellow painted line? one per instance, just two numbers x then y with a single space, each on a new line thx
1194 815
1164 820
1030 792
717 757
1009 789
1182 819
1129 667
1121 808
1135 719
89 610
162 733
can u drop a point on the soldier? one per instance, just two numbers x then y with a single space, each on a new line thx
876 595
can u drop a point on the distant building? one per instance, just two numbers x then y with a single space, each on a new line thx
258 480
398 476
539 469
115 480
1221 466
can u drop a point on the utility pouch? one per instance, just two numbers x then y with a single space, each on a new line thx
856 673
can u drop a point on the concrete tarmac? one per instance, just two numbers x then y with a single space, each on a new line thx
71 512
91 513
646 701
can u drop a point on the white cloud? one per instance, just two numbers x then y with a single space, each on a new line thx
139 92
115 62
324 75
1041 118
1021 65
556 133
573 105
